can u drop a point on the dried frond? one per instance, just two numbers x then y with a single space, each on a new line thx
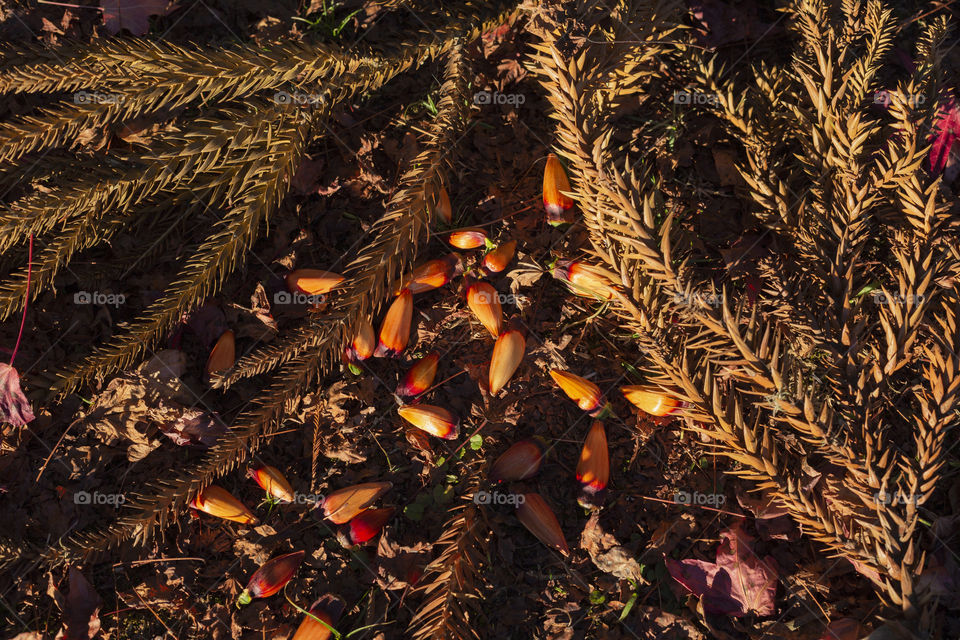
396 236
452 584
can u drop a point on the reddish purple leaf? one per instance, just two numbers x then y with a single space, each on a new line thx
740 583
946 132
133 15
753 580
80 608
697 577
14 406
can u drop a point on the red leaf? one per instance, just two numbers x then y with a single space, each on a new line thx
754 581
14 406
946 132
133 15
698 577
740 583
80 608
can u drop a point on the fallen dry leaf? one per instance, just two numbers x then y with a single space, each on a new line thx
153 395
14 406
607 554
771 520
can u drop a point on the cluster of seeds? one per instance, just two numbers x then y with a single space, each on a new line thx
349 508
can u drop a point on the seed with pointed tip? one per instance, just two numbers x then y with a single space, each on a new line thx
655 403
273 482
521 461
593 470
443 208
420 376
468 238
271 577
223 354
484 301
507 354
432 274
368 524
364 343
436 421
344 504
586 394
555 181
497 260
585 280
538 518
219 502
328 609
313 282
395 330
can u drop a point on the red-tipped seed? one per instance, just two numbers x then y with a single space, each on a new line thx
271 577
497 260
436 421
328 609
219 502
273 482
557 205
395 330
362 347
593 470
442 207
655 403
223 354
368 524
432 274
585 280
521 461
507 354
313 282
586 394
345 504
419 378
468 238
484 301
539 519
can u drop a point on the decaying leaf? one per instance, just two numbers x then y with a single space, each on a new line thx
738 584
606 552
133 404
14 406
